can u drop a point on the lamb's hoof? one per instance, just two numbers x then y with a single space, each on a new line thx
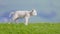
26 24
17 23
8 23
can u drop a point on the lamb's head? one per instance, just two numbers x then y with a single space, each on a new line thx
34 12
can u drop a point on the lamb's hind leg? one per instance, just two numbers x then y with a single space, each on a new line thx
15 18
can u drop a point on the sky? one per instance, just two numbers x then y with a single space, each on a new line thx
48 10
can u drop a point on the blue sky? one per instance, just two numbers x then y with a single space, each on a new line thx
48 10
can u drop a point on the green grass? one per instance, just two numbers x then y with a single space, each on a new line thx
32 28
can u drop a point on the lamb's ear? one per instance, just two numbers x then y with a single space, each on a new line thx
32 10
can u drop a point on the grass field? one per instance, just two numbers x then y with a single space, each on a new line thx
32 28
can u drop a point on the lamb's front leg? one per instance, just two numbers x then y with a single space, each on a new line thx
26 20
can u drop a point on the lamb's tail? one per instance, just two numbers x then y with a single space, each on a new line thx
11 14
